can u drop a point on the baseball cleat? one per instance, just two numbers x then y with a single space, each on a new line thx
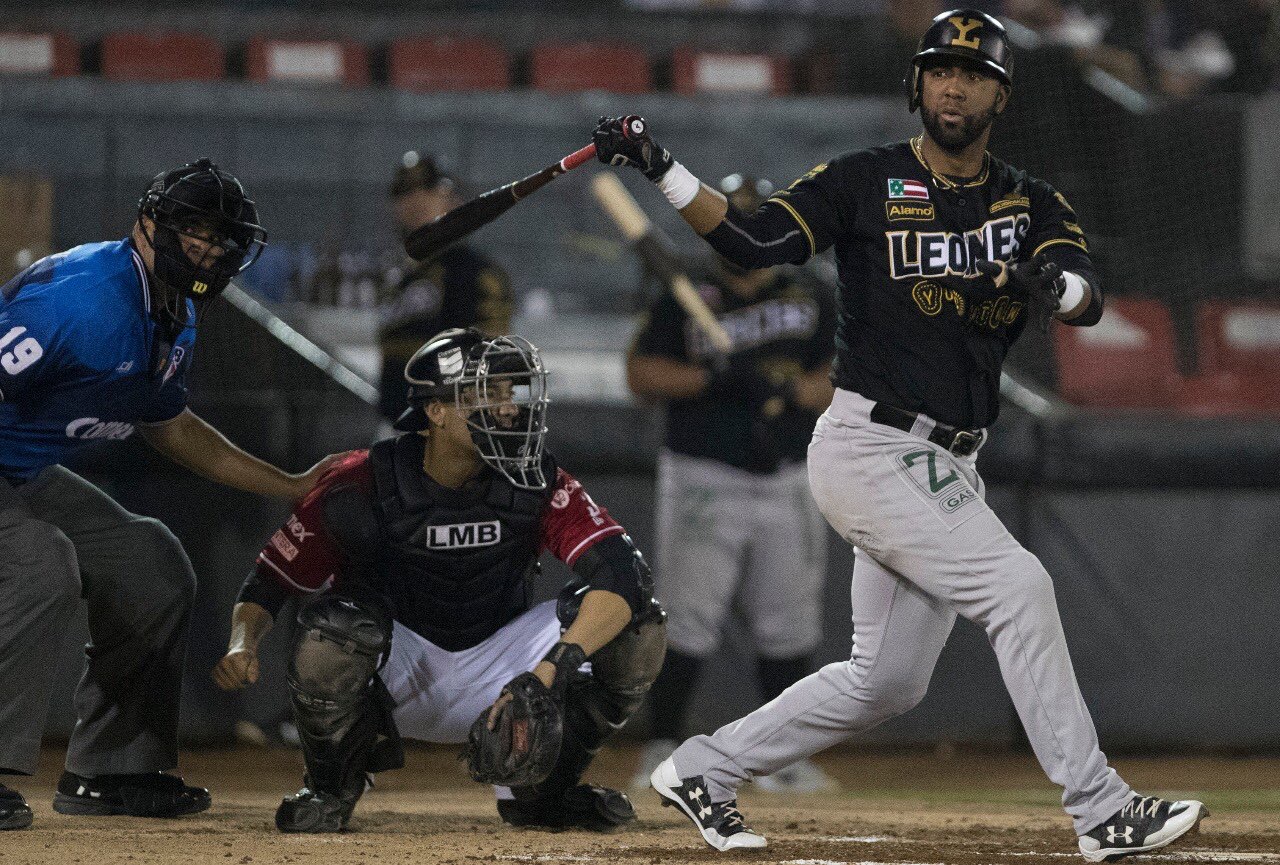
314 811
586 806
144 794
720 823
15 813
1146 823
655 751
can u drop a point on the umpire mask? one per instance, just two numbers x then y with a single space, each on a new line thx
503 393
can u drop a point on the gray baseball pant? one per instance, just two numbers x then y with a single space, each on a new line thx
928 548
62 538
724 533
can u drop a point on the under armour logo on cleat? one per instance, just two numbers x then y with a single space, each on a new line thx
1113 835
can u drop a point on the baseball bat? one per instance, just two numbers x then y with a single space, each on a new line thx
658 252
434 237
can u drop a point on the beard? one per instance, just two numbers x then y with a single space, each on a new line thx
954 138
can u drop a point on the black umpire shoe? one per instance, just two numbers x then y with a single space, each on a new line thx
720 823
149 794
596 809
315 811
1146 823
14 811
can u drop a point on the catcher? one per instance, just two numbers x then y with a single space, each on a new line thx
416 557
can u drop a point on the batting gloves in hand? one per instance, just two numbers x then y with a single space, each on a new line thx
1039 279
626 141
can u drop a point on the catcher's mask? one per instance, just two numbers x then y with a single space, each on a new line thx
965 35
202 201
499 385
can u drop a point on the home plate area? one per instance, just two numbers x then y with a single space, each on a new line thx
895 808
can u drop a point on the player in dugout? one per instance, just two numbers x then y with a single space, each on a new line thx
458 288
414 559
944 254
95 342
736 524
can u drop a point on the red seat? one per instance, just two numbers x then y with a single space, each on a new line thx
162 57
1239 347
694 71
562 67
430 63
307 61
39 54
1127 360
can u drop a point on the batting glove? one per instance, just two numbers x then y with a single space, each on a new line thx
1039 279
626 141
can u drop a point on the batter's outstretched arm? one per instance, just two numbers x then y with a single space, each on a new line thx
770 236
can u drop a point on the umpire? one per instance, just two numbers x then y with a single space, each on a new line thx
735 519
95 342
458 288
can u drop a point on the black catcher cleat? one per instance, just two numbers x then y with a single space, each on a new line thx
586 806
149 794
314 811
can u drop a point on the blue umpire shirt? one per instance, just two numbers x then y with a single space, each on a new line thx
78 356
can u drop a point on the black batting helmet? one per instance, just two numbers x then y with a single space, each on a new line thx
418 171
966 35
201 199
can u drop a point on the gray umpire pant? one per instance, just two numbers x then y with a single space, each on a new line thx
928 548
62 538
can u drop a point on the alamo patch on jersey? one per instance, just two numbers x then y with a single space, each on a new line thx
460 536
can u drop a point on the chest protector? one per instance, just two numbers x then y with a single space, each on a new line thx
455 564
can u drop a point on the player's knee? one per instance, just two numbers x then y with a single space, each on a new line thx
339 646
631 661
1031 587
55 565
789 638
163 561
692 632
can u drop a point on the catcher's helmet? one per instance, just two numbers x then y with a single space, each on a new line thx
499 384
200 197
966 35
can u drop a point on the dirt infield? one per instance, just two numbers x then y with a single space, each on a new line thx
896 808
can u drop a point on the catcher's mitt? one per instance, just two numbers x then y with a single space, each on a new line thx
524 744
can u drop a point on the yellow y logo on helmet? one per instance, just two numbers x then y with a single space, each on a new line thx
965 25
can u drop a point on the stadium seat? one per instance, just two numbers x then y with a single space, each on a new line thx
1127 360
695 71
162 57
562 67
307 61
430 63
1239 352
38 54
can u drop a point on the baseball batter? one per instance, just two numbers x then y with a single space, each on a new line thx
944 253
735 520
415 559
95 342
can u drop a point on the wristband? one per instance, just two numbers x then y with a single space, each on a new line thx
1073 293
679 186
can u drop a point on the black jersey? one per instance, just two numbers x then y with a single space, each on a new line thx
458 288
786 329
919 327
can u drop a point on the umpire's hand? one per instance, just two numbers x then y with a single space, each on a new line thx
237 669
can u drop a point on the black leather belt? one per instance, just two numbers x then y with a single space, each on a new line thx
960 442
